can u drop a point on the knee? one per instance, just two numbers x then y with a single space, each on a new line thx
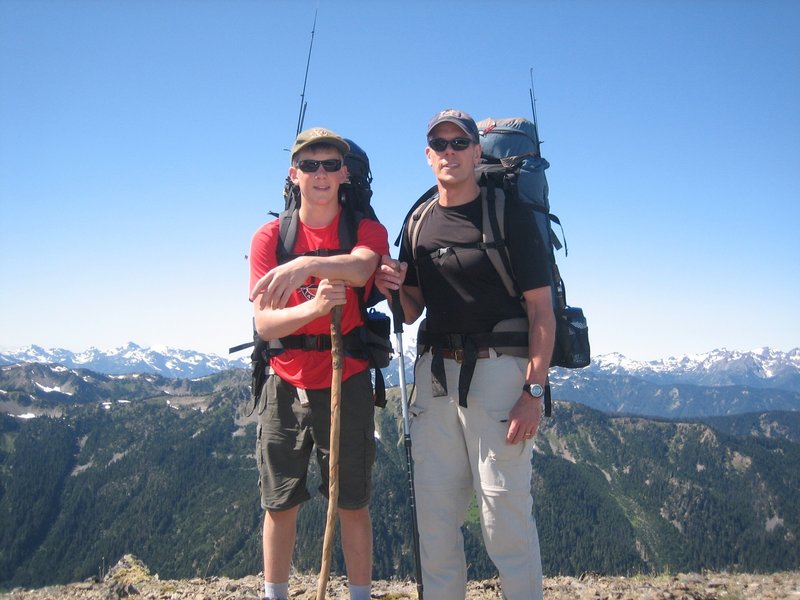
354 515
281 516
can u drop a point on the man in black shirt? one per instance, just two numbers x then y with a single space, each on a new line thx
476 437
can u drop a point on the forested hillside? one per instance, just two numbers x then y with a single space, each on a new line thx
169 475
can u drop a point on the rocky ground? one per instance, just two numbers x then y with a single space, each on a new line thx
131 579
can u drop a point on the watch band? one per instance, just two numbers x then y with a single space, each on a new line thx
544 397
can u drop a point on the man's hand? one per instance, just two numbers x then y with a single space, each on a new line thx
390 275
329 294
277 286
390 278
524 419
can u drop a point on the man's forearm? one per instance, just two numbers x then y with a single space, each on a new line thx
273 324
541 338
354 269
412 302
541 333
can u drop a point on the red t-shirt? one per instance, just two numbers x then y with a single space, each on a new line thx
313 369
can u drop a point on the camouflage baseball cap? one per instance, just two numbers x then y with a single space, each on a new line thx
319 135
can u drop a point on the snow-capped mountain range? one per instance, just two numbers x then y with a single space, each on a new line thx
760 368
719 382
716 383
131 358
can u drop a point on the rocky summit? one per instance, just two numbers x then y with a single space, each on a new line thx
130 578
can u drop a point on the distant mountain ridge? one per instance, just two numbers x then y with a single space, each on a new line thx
762 367
131 358
715 383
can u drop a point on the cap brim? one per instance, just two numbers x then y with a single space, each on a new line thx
455 122
336 142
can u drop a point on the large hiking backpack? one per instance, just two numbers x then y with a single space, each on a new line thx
513 170
373 339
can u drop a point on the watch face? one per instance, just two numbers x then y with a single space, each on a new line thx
534 390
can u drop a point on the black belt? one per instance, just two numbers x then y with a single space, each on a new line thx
458 355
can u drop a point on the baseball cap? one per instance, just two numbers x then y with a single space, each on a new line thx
317 135
456 117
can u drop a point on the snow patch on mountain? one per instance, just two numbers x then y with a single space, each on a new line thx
46 389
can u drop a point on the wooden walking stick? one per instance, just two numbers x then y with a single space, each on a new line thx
337 356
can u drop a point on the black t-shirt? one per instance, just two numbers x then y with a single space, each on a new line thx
462 290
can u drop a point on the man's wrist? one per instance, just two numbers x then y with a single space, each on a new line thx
534 389
536 393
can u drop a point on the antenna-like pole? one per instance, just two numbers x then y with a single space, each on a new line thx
533 110
301 117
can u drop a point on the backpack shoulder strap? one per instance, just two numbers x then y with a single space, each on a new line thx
415 221
349 221
287 234
430 193
493 201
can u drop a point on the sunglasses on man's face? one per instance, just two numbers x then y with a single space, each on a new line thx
440 144
331 165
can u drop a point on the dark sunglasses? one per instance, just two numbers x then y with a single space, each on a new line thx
440 144
331 165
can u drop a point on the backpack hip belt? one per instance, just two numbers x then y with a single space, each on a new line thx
467 349
354 343
459 341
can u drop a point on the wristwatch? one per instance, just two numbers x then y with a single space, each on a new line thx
534 389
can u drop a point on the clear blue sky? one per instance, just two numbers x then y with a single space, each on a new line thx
142 143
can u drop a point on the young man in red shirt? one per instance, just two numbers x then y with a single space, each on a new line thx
294 301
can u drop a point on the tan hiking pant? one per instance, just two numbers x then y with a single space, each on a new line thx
459 451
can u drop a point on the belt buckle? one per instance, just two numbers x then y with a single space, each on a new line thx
458 355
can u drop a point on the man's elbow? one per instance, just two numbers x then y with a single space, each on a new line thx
360 279
364 272
262 327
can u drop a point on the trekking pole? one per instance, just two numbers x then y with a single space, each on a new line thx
337 357
398 317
